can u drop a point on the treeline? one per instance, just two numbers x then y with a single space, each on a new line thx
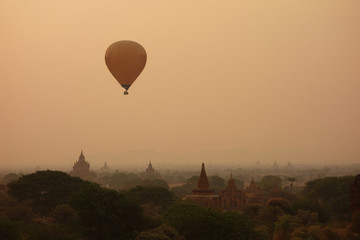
320 211
54 205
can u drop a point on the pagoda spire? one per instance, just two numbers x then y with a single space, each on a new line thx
231 182
81 157
203 183
252 183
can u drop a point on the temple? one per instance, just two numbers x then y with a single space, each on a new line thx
275 165
230 198
81 169
105 168
150 173
203 195
253 194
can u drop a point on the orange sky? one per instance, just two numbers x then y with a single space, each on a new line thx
276 76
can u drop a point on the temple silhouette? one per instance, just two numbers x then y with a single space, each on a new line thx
150 173
82 169
105 168
253 194
230 198
203 195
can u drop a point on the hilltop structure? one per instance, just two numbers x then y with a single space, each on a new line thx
81 169
150 173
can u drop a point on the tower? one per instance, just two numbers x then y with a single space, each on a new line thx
232 198
204 196
253 194
81 168
150 172
203 183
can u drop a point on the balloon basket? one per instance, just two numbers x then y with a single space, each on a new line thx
126 93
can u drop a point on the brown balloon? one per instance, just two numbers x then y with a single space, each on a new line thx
125 60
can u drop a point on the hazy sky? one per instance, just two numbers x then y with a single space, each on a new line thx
267 76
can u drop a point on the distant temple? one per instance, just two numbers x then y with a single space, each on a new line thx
355 195
150 172
105 168
253 194
275 165
203 195
81 169
289 165
230 198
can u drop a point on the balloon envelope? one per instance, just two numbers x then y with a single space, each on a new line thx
125 60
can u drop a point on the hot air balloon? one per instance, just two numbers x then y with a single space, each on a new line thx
125 60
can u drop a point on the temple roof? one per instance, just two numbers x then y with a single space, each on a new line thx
105 167
231 183
81 157
275 165
252 183
150 166
203 183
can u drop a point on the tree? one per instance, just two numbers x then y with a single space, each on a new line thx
10 177
195 222
306 233
291 180
281 203
9 230
65 201
216 183
180 191
270 183
283 227
45 189
163 232
64 214
20 213
355 222
305 217
158 195
322 210
269 216
106 214
332 193
191 183
155 183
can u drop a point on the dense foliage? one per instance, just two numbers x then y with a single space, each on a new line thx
329 196
54 205
65 204
199 223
